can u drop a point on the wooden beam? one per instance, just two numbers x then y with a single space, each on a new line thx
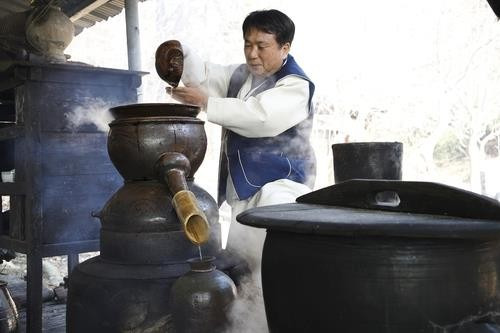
91 7
13 6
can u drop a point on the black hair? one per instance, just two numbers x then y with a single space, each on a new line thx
271 21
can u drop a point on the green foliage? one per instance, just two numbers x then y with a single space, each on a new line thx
448 149
450 158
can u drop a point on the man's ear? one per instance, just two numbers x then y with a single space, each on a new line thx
285 48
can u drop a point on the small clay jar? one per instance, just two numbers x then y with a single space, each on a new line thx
201 299
49 31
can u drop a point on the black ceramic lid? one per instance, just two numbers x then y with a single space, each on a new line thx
370 208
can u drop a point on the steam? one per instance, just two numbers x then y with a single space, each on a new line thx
94 112
92 185
247 314
307 152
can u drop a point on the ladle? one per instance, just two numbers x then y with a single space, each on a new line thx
169 62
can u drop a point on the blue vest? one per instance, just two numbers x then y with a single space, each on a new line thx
254 162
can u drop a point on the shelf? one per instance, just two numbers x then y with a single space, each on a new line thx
11 132
9 83
13 244
39 145
17 188
50 250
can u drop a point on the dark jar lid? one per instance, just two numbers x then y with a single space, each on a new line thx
384 208
205 264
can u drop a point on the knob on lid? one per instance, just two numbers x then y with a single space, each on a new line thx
169 62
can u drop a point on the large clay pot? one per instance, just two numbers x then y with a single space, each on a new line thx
200 299
339 261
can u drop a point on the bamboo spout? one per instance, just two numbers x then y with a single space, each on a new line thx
173 167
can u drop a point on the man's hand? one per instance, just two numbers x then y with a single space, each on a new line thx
189 95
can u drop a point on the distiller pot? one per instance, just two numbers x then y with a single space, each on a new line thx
150 227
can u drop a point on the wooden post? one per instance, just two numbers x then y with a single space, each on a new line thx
133 38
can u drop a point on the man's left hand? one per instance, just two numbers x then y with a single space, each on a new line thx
189 95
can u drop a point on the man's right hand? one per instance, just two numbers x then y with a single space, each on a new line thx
194 67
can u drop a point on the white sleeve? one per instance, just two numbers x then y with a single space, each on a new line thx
216 81
193 71
212 77
265 115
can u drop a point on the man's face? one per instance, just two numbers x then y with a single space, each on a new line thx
263 54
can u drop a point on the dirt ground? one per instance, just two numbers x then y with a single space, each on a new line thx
54 268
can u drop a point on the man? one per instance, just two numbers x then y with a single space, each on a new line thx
265 110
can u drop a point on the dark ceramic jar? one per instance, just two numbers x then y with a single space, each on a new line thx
341 260
201 298
367 160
